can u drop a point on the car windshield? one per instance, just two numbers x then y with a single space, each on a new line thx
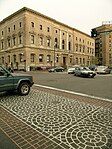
101 67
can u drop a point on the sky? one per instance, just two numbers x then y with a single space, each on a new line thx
80 14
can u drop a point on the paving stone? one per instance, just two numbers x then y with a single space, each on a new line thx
52 119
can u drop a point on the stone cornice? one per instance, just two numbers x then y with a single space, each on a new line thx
46 17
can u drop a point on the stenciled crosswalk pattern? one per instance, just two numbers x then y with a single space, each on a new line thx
76 124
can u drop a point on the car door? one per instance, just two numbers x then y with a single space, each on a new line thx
6 80
77 71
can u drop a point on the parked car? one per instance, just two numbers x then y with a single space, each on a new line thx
56 69
14 81
103 70
84 72
71 70
92 67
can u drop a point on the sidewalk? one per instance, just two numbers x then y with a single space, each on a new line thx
52 119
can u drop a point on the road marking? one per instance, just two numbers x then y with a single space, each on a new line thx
75 93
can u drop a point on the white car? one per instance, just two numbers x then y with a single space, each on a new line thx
102 70
71 70
84 72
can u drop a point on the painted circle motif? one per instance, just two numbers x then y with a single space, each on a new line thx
85 136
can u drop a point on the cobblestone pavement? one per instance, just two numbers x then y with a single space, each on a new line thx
47 119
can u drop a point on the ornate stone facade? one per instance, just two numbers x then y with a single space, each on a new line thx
31 40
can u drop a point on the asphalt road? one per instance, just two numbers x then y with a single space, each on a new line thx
100 86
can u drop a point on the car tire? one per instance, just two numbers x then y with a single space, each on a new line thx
92 76
24 88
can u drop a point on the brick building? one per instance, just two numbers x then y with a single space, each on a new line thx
103 43
30 40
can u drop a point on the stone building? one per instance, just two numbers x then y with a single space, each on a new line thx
103 43
30 40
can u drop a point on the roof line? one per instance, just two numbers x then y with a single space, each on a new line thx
33 11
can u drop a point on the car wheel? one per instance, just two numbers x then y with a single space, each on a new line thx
24 88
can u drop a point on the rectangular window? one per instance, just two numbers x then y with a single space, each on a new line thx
48 42
76 60
48 29
32 24
9 59
14 58
32 58
76 47
20 24
3 61
70 59
83 49
88 49
40 27
9 29
2 45
2 32
80 60
14 41
63 44
41 58
41 41
48 58
9 44
21 57
14 27
20 39
32 39
83 60
69 45
57 58
80 48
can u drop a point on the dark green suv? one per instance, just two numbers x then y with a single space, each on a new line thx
15 81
